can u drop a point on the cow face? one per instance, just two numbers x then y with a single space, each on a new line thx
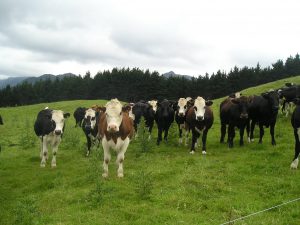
243 104
90 119
58 117
199 108
181 107
165 108
273 99
153 104
113 115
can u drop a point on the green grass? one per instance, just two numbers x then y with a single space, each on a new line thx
163 185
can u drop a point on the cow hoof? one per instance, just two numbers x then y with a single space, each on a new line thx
43 165
192 152
120 175
87 154
203 152
294 164
249 140
53 165
274 143
252 140
104 175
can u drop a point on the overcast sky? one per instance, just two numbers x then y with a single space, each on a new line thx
188 37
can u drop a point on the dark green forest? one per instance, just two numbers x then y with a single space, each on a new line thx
133 84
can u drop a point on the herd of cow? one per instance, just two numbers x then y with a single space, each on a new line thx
115 124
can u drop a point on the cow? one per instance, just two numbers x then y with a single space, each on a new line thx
115 129
164 117
288 94
200 118
234 113
295 120
79 115
263 110
90 127
1 121
49 127
182 107
146 110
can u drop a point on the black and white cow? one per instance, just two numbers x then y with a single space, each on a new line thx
288 94
182 106
79 115
263 110
295 120
164 117
90 128
1 121
49 126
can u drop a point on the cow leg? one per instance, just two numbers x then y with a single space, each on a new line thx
272 126
195 136
150 130
204 137
107 157
231 135
261 133
41 152
223 132
242 129
248 130
166 134
89 144
45 153
252 126
187 131
294 164
159 136
121 157
180 133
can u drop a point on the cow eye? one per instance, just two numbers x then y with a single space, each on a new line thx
120 113
93 118
195 108
185 106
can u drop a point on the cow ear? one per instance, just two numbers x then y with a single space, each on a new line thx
66 115
208 103
126 108
296 101
235 101
265 95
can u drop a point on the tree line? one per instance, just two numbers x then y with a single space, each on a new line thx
133 84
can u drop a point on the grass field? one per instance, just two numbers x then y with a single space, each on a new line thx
162 184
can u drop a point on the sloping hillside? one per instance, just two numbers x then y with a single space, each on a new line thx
162 185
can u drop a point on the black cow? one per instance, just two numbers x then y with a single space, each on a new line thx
90 128
79 115
146 110
296 126
288 94
49 126
234 113
1 121
263 110
164 117
199 118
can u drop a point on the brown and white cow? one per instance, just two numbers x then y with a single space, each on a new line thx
115 130
199 119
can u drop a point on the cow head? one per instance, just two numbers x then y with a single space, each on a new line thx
273 99
153 104
243 104
165 107
114 115
199 107
182 106
58 117
90 119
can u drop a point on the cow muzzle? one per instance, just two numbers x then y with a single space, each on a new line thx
244 116
112 128
57 132
200 118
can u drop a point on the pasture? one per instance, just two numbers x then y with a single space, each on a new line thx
161 185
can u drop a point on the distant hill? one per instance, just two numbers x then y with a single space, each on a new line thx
173 74
13 81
